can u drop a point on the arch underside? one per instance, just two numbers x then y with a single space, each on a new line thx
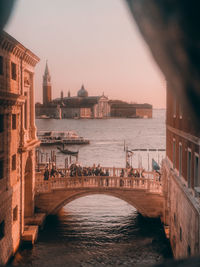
148 204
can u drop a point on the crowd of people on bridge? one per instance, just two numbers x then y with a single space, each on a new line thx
76 170
131 173
53 172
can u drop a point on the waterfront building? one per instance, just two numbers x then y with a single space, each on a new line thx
181 173
84 106
80 106
17 142
123 109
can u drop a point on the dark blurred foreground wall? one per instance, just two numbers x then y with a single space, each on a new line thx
171 30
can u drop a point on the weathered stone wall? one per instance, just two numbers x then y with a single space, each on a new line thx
181 214
18 140
6 243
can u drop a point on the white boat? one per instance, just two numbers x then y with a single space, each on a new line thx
61 137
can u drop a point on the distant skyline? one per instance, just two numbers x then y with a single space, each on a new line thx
90 42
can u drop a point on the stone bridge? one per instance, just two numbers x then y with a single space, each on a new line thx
144 193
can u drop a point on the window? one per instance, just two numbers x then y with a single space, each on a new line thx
1 65
180 234
25 115
1 123
174 154
2 229
1 169
189 159
196 171
180 160
14 121
174 106
189 250
15 213
13 71
180 111
174 219
14 162
25 112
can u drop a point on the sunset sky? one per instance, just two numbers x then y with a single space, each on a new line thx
90 42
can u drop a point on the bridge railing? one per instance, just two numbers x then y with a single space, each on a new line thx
150 182
113 171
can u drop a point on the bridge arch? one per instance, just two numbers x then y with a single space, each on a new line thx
83 194
147 204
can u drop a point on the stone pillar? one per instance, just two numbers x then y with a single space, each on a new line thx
22 135
32 108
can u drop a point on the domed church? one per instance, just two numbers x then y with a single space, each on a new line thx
82 92
83 105
80 106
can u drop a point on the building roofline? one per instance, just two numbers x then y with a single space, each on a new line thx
11 45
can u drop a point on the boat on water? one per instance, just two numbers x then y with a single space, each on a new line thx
61 138
67 151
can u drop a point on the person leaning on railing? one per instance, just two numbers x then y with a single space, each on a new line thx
53 171
122 173
46 173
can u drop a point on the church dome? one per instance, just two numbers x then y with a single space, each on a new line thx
82 92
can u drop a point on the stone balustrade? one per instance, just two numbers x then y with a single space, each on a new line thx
149 181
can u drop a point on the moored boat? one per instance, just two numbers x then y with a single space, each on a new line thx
60 138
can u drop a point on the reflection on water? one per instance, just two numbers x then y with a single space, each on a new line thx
94 231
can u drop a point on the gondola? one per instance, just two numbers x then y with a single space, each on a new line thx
67 151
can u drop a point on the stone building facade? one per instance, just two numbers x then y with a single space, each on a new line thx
84 106
80 106
125 110
17 142
181 175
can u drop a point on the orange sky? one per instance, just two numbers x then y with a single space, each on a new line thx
90 42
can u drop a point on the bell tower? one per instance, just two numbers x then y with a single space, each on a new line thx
46 86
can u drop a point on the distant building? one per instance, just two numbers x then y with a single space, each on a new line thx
125 110
80 106
46 86
181 173
17 142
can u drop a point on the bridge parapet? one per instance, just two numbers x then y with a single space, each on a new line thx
113 171
150 182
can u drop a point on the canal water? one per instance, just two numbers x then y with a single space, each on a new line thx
100 230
